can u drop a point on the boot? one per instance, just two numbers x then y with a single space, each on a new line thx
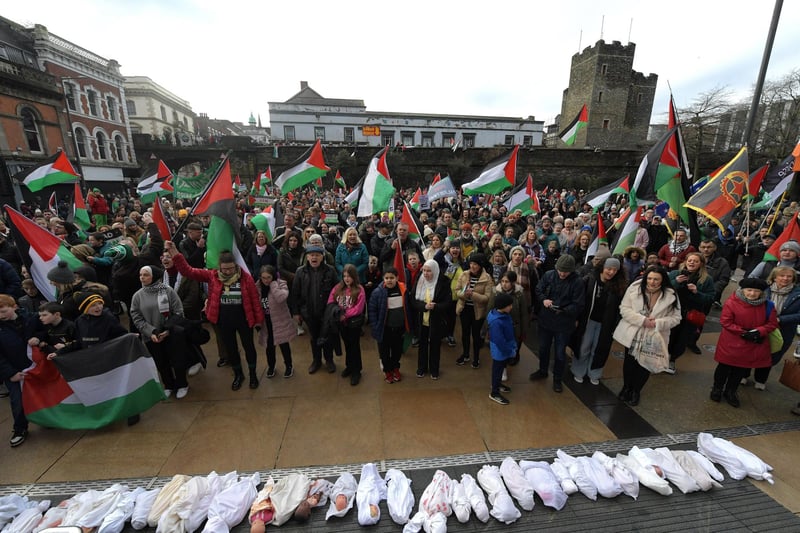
253 380
625 394
238 379
732 398
716 394
633 399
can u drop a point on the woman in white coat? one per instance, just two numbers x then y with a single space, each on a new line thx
649 302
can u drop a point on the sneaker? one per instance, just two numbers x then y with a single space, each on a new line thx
396 375
167 392
461 361
289 372
716 395
300 330
539 374
695 349
671 368
499 399
451 342
221 363
476 364
414 341
182 392
389 378
355 377
504 388
346 372
577 379
718 305
271 372
18 437
420 373
194 369
744 382
594 382
331 366
435 377
314 367
557 386
760 386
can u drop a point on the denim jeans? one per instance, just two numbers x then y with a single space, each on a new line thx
497 374
583 366
560 339
15 397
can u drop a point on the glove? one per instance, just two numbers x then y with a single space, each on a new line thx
752 336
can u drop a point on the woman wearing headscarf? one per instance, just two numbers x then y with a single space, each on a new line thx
430 299
151 307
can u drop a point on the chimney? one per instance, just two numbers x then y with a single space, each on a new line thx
303 85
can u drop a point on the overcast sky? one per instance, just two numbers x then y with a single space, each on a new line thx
229 58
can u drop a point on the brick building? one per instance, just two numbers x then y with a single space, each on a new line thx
619 99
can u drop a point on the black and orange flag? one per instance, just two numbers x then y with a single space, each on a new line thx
724 192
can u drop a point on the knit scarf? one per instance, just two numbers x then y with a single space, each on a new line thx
778 296
260 249
760 300
229 279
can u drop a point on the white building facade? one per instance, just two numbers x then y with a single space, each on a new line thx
308 116
155 111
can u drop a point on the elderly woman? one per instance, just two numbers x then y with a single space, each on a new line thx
351 251
784 293
747 319
649 303
696 291
151 307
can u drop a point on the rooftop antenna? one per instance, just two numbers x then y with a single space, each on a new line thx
630 30
602 25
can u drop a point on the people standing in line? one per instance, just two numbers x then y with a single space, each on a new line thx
502 343
233 304
604 289
561 292
430 300
350 296
475 290
151 307
308 296
747 318
649 303
278 328
388 320
695 290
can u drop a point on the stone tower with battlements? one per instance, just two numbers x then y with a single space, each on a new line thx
618 98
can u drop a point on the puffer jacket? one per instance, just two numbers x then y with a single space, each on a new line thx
737 317
667 313
567 295
789 318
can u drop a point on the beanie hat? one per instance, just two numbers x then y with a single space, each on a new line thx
791 245
503 300
611 262
86 272
477 257
61 274
753 283
565 263
602 253
86 300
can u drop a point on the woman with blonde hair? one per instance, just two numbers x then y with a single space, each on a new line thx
434 247
351 251
695 289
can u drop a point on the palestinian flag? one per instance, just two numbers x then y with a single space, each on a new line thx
266 177
415 199
627 235
265 221
790 233
223 232
599 239
155 185
57 169
80 215
40 250
651 173
441 188
376 187
524 199
779 179
496 177
599 196
303 171
352 198
436 179
52 203
318 183
93 387
570 133
338 181
160 220
723 193
756 178
414 225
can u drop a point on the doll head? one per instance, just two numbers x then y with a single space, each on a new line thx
303 511
340 502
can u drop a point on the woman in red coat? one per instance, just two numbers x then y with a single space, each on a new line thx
746 322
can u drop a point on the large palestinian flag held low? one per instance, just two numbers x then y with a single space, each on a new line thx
305 170
498 175
55 170
93 387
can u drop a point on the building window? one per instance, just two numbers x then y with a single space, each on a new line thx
387 138
349 135
603 69
80 141
527 140
112 108
119 146
469 140
606 123
427 139
163 113
101 145
448 139
288 133
319 133
69 94
600 96
175 119
407 138
131 105
31 129
185 123
638 98
509 140
91 97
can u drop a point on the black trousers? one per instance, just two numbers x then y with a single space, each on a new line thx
391 348
228 333
471 329
430 348
169 356
727 377
634 376
286 349
351 337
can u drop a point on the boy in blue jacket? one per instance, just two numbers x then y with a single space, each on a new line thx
502 344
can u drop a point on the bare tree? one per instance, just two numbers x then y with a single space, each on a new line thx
778 120
701 119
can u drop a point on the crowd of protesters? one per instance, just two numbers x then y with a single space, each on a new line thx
326 274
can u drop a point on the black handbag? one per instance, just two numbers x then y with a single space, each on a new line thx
355 321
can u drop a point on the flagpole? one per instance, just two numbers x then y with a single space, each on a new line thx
777 205
211 182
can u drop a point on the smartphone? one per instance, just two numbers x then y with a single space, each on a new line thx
555 308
